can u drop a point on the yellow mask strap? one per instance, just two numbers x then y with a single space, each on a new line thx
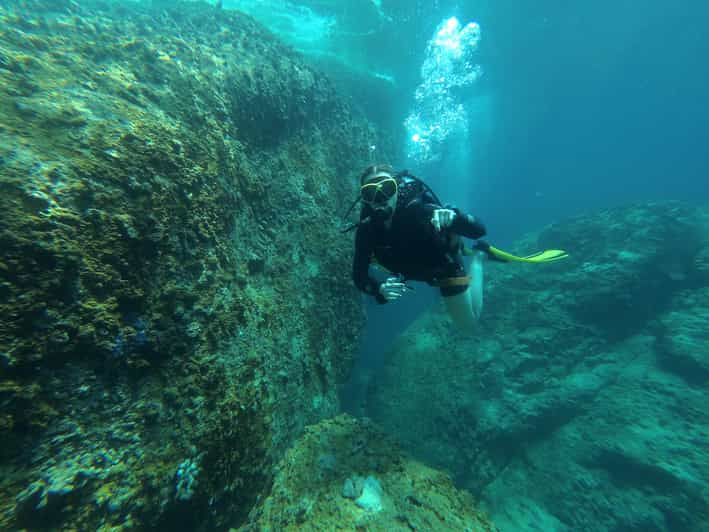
378 185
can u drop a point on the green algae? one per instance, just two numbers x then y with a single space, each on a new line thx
578 402
312 489
174 286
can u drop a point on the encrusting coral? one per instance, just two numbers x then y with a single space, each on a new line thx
173 284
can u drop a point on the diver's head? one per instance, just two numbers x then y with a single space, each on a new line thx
379 190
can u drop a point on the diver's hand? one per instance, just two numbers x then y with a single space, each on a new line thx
392 289
442 218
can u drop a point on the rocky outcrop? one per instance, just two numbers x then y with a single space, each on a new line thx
579 403
175 292
345 474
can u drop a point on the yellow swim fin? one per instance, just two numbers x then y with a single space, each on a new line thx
548 255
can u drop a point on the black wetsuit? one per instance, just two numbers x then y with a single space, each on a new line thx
411 246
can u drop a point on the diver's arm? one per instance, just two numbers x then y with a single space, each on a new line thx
467 225
360 268
454 219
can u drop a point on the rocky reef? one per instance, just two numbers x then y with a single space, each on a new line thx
345 474
174 290
580 401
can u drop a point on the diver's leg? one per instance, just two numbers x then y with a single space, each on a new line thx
466 306
460 310
476 284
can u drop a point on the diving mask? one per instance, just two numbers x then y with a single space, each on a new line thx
378 190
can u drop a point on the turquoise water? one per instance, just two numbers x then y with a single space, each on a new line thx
569 108
180 333
606 99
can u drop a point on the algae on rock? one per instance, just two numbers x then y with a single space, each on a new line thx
175 292
307 492
579 402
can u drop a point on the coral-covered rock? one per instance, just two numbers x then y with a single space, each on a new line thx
174 288
579 402
346 474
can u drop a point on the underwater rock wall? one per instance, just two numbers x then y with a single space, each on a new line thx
580 401
175 294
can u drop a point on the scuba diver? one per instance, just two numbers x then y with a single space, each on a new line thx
404 228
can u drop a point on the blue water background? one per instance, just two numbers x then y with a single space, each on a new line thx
597 104
583 105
